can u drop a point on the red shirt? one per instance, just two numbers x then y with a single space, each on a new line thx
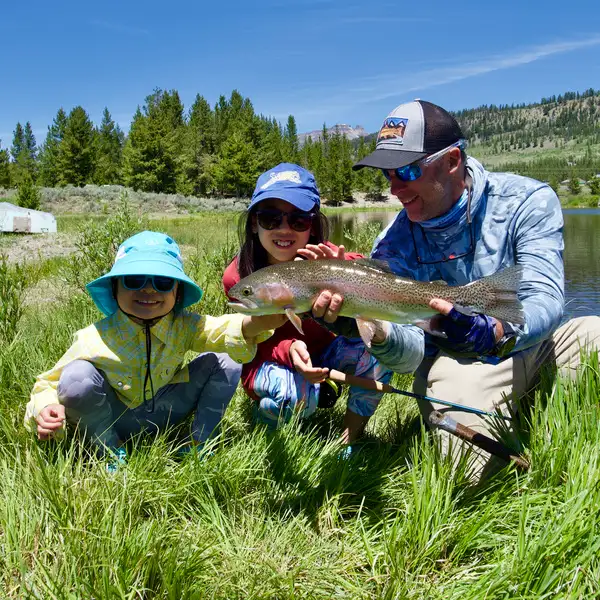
277 348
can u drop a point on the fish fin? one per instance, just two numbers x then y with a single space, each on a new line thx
438 282
367 330
295 320
430 326
374 263
501 288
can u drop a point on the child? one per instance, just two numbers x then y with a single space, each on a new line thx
124 374
282 219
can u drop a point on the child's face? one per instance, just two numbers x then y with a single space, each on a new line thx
146 303
283 242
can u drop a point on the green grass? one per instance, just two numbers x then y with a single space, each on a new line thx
280 515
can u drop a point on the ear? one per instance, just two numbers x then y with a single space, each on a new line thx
454 160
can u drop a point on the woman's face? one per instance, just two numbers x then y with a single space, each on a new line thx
283 242
146 303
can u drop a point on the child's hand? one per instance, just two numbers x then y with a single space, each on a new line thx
252 326
50 420
322 252
303 365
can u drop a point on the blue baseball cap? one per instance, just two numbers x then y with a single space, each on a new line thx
145 253
288 182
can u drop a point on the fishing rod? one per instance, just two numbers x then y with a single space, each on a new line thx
386 388
443 421
447 423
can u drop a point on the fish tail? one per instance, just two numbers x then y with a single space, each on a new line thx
496 295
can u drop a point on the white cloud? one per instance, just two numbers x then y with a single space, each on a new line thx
381 86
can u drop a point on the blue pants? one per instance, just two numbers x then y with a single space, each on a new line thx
92 405
282 391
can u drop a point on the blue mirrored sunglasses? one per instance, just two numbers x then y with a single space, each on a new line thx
135 283
413 171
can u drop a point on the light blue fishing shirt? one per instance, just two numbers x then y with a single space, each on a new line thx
516 220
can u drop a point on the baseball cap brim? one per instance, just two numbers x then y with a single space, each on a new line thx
300 198
388 159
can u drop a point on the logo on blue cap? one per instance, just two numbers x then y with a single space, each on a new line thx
288 182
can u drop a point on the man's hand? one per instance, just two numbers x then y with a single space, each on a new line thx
303 365
322 252
476 333
50 420
253 325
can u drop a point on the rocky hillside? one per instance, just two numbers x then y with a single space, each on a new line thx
351 133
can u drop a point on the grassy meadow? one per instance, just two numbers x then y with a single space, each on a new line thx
275 515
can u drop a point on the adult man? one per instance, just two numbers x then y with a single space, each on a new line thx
461 223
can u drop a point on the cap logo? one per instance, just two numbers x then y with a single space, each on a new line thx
291 176
393 128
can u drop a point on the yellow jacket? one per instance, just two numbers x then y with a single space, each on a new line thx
116 346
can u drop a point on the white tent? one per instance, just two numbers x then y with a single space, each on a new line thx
25 220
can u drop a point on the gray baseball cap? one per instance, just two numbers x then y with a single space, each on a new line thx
410 132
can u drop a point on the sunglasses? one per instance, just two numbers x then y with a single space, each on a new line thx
271 218
135 283
413 171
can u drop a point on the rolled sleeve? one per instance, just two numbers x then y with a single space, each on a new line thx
403 349
224 334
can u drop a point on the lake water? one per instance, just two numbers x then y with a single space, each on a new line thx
582 252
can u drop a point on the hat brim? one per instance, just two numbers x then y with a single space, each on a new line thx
294 196
101 289
388 159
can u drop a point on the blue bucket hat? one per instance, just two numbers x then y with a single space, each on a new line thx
287 182
146 253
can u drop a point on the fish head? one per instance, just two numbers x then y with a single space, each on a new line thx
255 297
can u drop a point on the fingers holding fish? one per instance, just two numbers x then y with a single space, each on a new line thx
327 306
322 252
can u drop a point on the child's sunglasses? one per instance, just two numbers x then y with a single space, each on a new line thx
413 171
135 283
271 218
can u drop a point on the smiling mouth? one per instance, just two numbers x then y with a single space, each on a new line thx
283 243
148 302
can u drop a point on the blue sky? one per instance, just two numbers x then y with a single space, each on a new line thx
333 61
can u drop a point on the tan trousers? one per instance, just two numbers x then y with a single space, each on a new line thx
490 387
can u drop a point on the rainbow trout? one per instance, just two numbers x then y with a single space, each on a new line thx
371 291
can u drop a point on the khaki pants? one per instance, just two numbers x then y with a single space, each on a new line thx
490 387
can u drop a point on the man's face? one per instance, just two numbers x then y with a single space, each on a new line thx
429 196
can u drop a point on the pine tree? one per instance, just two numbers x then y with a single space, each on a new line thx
290 141
574 185
28 195
18 143
48 156
76 157
109 151
154 145
198 146
4 168
237 168
594 185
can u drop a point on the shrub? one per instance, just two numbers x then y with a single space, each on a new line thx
97 244
28 195
13 281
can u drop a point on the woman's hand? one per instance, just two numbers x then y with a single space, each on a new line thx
50 420
254 325
322 252
303 365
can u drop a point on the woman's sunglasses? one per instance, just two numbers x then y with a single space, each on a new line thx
413 171
271 218
135 283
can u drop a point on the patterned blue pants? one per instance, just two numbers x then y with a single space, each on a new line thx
92 405
283 391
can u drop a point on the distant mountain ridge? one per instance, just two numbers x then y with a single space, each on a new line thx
554 122
351 133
